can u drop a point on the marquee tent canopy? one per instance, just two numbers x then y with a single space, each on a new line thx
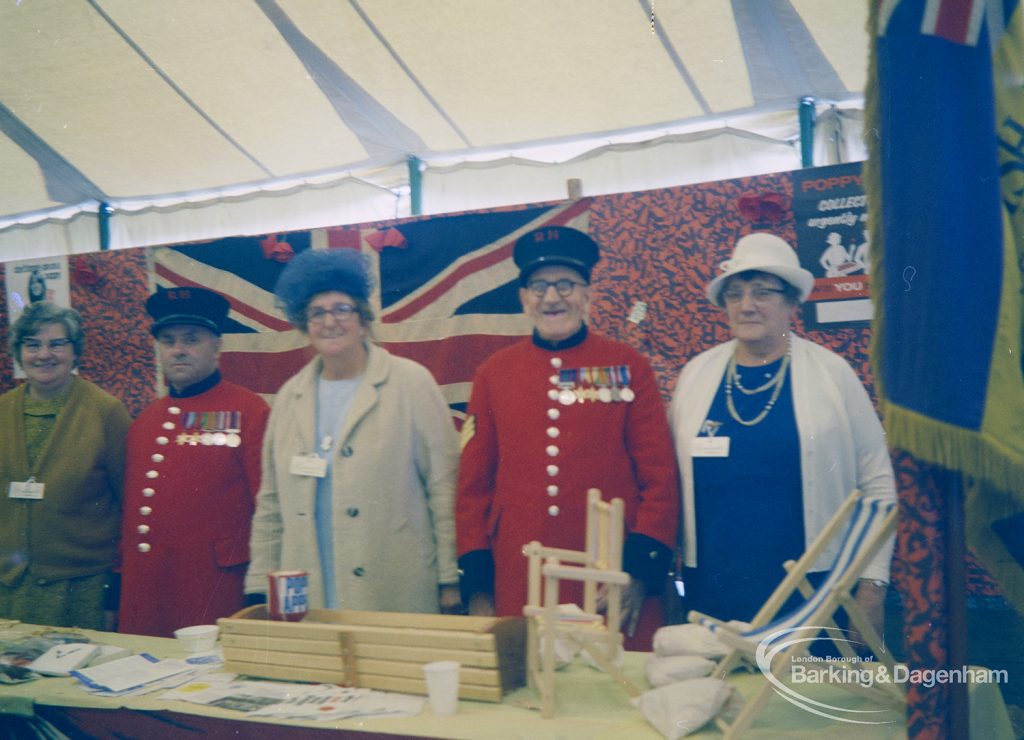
195 119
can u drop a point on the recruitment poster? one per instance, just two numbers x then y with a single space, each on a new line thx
31 281
833 242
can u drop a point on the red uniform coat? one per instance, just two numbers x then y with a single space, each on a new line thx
528 459
191 477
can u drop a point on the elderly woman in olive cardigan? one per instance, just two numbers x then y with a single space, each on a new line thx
61 463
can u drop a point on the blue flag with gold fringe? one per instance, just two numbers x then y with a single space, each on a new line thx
946 192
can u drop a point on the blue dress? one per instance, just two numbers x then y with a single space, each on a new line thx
748 505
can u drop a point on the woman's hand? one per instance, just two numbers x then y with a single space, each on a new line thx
871 599
449 600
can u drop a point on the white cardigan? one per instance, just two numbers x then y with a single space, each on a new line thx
842 444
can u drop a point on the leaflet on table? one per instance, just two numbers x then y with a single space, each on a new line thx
60 660
167 683
130 673
294 701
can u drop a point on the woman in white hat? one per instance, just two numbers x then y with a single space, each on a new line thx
772 433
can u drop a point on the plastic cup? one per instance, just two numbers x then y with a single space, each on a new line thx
442 686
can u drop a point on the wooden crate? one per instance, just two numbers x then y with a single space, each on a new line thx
378 650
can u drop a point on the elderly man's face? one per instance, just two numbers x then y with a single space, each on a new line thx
556 317
187 354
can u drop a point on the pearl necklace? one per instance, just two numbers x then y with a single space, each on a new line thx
732 379
738 383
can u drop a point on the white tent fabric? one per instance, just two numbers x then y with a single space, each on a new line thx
194 119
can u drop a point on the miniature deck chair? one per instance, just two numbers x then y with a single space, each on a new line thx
773 641
599 563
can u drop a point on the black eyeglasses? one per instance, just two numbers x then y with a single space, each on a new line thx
340 312
33 346
563 287
760 295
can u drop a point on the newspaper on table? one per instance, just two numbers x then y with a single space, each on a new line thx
282 700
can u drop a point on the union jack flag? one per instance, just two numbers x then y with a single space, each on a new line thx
446 291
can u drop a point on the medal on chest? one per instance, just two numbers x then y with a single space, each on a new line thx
211 428
600 384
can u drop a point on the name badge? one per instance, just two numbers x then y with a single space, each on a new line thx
308 465
710 447
29 489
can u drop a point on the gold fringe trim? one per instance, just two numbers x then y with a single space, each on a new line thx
951 447
983 506
871 179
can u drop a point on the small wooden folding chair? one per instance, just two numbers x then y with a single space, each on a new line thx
600 563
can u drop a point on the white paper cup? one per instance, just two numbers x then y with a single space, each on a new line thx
198 638
442 686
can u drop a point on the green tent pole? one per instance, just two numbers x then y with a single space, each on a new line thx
807 131
103 214
415 185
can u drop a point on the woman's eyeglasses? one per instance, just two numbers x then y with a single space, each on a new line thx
33 346
340 312
760 295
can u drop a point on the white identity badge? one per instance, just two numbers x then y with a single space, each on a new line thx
308 465
29 489
711 447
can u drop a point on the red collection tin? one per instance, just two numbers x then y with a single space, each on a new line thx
287 594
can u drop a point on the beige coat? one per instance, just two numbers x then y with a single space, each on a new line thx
393 491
